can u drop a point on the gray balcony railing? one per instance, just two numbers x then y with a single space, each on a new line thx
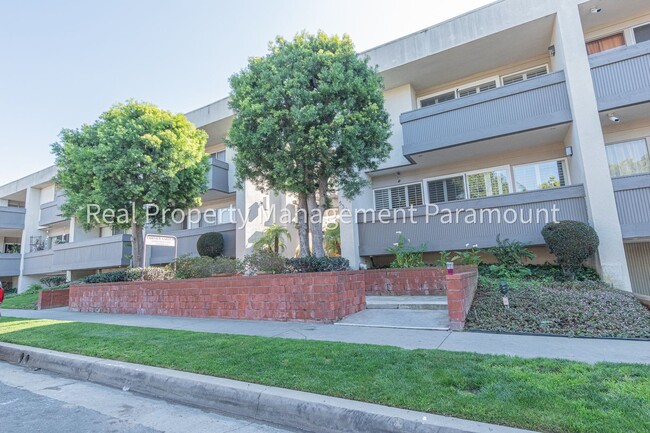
38 262
98 253
12 218
633 204
51 211
9 265
622 76
218 175
187 243
519 107
522 216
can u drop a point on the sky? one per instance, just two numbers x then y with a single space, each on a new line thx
63 63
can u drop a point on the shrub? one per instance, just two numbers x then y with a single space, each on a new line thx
53 281
445 257
572 242
510 253
108 277
273 239
202 267
317 264
468 257
406 256
210 244
264 261
150 274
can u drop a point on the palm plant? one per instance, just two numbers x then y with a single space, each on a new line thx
273 239
332 240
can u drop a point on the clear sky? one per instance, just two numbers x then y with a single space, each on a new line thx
65 62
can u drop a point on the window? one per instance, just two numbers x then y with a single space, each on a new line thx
488 183
472 90
399 196
12 248
448 189
444 97
642 33
629 158
606 43
525 75
541 175
220 156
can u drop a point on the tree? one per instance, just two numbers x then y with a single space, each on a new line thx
134 155
332 240
309 117
272 239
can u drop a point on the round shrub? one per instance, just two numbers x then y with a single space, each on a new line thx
572 242
210 244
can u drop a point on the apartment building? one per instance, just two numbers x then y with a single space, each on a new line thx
522 107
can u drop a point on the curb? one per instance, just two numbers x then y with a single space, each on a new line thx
278 406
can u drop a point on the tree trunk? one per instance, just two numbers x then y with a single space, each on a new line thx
137 245
316 225
303 225
276 246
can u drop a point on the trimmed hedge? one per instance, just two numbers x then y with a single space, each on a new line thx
572 242
131 274
317 264
202 267
210 244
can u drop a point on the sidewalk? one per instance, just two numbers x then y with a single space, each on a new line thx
576 349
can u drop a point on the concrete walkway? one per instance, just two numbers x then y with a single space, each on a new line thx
577 349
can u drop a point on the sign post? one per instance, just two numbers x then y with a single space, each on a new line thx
153 240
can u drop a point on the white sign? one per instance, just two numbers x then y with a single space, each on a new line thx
160 241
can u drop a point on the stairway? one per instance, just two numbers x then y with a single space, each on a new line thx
402 312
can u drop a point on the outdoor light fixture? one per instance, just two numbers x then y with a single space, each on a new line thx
568 150
450 268
503 286
551 51
596 10
613 118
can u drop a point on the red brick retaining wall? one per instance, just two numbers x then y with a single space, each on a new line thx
53 299
319 297
461 289
409 282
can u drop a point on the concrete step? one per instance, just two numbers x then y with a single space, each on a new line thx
430 320
406 302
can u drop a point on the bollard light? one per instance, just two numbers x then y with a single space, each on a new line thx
503 286
450 268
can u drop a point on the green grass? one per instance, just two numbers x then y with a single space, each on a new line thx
542 394
22 301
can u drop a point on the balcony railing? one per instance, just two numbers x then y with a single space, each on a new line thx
38 262
51 211
9 265
187 243
12 218
622 76
527 105
633 204
519 216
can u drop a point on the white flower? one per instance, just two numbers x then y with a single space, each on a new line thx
467 244
396 243
398 232
409 240
475 246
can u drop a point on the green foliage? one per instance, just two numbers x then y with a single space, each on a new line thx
468 257
203 267
130 274
273 239
332 240
317 264
445 257
406 256
53 281
545 273
509 272
108 277
264 261
572 242
135 154
210 244
510 253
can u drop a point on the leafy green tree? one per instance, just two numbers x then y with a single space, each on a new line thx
309 117
332 240
134 155
273 239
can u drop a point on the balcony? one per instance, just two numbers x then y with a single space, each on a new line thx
632 202
98 253
9 265
527 105
12 218
51 211
515 221
622 76
187 243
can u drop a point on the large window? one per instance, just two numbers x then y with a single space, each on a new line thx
488 183
540 175
642 33
628 158
399 196
525 75
606 43
447 189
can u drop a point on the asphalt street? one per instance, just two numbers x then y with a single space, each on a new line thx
38 402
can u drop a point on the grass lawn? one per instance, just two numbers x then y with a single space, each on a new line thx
577 308
24 301
544 395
